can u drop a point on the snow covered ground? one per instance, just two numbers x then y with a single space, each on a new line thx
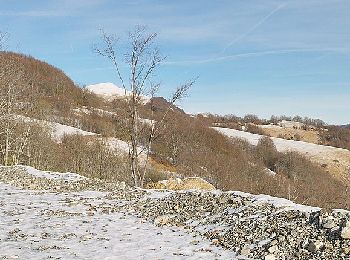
283 145
58 130
85 110
332 156
116 144
42 225
68 176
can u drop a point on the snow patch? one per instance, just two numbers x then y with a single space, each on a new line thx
68 176
282 203
58 130
282 145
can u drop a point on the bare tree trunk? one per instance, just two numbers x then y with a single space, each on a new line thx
11 102
7 144
143 59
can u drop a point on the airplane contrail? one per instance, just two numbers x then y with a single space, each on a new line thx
253 28
253 54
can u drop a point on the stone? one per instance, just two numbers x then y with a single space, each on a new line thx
347 250
245 251
270 257
315 246
273 249
345 233
329 223
162 220
122 185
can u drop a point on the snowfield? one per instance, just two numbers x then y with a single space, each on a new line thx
332 156
42 225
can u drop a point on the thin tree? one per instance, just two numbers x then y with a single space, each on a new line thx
11 102
142 59
3 40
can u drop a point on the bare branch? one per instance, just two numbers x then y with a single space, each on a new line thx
182 91
3 40
108 50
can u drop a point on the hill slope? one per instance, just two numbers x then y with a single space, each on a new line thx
336 160
48 89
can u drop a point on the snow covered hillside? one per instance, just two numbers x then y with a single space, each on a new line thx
58 131
335 158
110 91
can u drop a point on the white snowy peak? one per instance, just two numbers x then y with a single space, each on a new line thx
109 91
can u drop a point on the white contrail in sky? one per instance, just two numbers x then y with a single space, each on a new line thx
254 27
254 54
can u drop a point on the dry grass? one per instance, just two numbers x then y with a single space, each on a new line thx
309 136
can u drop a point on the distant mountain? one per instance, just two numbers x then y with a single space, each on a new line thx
111 91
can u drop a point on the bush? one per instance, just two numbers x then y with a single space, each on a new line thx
267 152
336 136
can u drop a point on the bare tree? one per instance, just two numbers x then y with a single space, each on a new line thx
11 102
142 59
3 40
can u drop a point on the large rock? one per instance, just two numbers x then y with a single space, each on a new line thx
191 183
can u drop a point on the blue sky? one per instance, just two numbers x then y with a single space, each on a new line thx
252 56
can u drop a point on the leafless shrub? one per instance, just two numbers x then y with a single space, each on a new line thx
267 152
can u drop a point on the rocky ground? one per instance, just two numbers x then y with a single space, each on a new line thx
66 216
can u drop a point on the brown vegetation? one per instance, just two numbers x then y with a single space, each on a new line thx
186 145
197 150
336 136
